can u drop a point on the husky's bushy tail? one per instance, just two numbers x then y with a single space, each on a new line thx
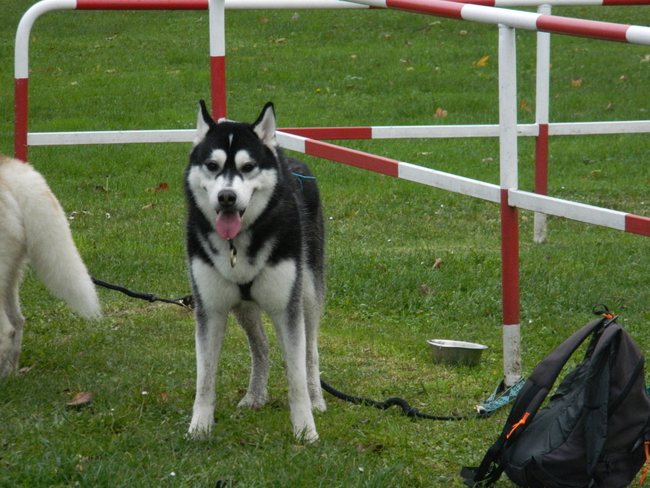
49 247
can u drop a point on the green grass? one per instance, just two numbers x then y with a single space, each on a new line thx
147 70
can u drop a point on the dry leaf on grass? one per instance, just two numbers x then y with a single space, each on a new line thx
156 189
81 399
482 62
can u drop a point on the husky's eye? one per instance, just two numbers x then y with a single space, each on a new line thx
247 168
212 166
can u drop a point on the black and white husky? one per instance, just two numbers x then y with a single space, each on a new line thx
255 242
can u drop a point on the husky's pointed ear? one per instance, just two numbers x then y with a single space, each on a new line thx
264 126
204 122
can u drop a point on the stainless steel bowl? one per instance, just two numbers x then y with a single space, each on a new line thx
456 352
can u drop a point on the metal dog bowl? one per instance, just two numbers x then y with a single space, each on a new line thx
456 352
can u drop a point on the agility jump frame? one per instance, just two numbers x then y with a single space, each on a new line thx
304 140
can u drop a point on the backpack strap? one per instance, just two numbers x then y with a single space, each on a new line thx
597 393
528 401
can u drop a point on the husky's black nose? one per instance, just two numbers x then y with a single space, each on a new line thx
227 198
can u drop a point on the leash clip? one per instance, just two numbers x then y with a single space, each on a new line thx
233 253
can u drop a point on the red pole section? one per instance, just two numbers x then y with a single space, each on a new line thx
20 124
142 4
359 159
583 28
217 13
541 160
218 86
509 261
440 8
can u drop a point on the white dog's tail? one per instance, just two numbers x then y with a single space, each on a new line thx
50 248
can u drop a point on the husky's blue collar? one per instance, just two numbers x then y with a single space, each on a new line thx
303 177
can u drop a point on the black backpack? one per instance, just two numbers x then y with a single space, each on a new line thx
593 433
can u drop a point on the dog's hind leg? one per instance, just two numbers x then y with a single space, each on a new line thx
11 320
249 316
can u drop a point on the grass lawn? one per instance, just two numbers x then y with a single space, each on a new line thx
147 70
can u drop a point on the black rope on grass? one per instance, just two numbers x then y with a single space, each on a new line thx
400 402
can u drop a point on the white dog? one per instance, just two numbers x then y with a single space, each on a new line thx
34 229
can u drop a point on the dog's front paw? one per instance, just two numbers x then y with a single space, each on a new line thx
308 435
200 428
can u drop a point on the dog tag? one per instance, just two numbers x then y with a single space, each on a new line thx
233 254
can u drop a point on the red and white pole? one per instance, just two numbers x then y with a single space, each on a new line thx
218 57
509 221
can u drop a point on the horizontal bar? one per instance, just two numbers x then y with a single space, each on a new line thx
585 128
567 209
109 137
203 4
450 182
517 19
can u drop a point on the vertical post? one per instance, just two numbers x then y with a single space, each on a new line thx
217 16
541 118
509 215
20 118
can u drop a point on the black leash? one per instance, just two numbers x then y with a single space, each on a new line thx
186 301
403 404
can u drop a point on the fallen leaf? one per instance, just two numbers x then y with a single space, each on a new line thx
295 17
440 113
372 447
624 78
482 62
160 187
164 397
263 20
424 289
25 370
437 264
149 207
577 82
81 399
524 106
176 72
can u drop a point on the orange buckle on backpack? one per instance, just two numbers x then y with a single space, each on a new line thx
520 423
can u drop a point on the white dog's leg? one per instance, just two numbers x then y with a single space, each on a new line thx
210 332
7 333
249 317
211 315
11 320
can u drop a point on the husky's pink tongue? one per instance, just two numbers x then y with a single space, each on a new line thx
228 224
